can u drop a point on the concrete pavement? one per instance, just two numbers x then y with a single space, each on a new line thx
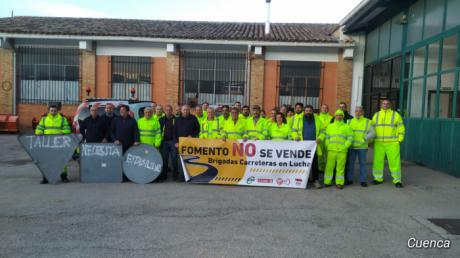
186 220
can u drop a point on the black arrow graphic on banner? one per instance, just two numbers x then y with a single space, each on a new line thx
206 176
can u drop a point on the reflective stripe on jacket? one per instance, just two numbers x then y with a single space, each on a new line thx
232 130
50 124
149 131
277 133
363 131
338 136
211 129
256 131
389 126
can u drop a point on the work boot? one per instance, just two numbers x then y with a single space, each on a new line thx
363 184
64 179
375 182
317 184
44 181
340 187
348 182
399 185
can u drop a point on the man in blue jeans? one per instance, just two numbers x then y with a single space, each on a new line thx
363 132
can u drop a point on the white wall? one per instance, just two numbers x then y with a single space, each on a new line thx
126 48
358 71
316 54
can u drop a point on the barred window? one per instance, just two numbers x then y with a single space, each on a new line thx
131 72
214 77
48 75
299 82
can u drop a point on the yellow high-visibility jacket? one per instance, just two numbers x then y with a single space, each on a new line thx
279 133
211 129
296 120
256 131
325 118
53 125
338 136
234 131
389 126
149 131
363 131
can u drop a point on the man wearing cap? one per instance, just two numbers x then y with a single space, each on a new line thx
338 139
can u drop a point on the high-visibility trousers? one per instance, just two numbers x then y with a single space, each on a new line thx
337 160
322 159
391 150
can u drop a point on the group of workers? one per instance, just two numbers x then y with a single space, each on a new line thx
340 138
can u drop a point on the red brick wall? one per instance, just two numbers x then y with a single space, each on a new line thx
88 73
271 79
329 85
159 80
344 79
28 111
172 80
256 91
103 77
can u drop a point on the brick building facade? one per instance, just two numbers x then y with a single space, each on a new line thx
219 62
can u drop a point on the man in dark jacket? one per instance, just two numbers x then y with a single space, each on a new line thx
343 107
167 148
185 126
107 119
93 128
124 129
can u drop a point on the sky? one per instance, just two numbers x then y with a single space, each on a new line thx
303 11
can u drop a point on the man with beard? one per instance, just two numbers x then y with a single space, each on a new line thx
298 117
310 128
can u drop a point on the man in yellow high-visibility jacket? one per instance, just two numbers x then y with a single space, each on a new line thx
53 123
212 127
325 118
389 130
234 128
297 119
338 139
149 129
200 116
245 113
363 132
255 125
225 114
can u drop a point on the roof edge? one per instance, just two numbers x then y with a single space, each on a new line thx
180 41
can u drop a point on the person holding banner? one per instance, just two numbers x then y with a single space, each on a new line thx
149 128
339 137
93 128
53 123
310 128
280 131
255 125
124 129
211 127
363 132
234 128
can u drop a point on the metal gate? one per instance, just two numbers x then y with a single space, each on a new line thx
299 82
130 72
214 77
48 75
